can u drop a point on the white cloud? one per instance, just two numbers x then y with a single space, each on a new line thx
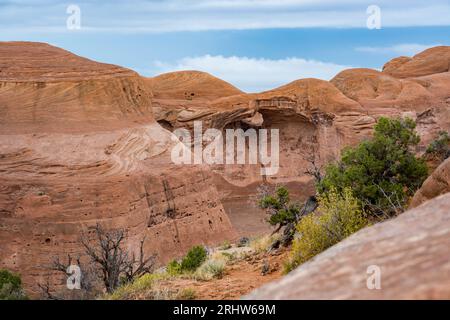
252 74
405 49
134 16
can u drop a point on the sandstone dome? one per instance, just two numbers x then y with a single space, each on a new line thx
430 61
47 89
191 85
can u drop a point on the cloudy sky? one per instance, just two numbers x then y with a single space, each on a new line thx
254 44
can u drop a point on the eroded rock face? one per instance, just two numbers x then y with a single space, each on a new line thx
83 142
410 250
436 184
80 146
431 61
315 118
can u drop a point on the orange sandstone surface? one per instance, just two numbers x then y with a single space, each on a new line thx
83 142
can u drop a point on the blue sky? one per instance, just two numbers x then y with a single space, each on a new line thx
254 44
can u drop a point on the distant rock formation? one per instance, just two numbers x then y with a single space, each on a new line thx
410 251
316 119
431 61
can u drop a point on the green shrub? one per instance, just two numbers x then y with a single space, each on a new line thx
439 148
11 286
193 259
383 171
278 206
173 268
339 215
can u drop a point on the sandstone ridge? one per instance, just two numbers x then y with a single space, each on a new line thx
84 142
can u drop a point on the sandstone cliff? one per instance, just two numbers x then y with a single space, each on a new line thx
80 146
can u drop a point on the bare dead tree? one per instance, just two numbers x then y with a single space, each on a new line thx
46 293
112 260
88 281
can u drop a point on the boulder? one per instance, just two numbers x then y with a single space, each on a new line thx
436 184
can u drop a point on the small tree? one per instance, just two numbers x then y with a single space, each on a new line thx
109 265
11 286
90 286
281 211
194 258
114 263
383 171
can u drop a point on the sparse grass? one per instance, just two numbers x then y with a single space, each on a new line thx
263 243
226 256
225 245
169 283
146 286
210 269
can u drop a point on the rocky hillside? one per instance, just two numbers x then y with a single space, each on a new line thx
316 120
80 146
83 142
411 252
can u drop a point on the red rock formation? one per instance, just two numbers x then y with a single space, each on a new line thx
190 85
317 119
411 252
431 61
436 184
79 146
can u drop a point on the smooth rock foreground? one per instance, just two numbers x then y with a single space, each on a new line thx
412 252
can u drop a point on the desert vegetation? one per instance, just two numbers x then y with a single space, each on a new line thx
371 182
199 268
382 172
11 286
339 216
439 148
105 266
